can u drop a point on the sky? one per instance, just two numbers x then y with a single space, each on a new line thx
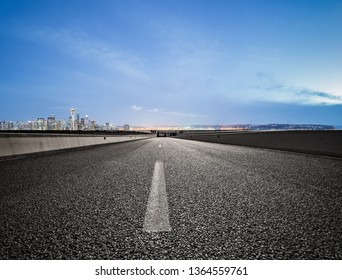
175 62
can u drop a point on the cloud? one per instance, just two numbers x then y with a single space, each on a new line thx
271 90
80 44
156 110
181 114
136 108
170 113
318 97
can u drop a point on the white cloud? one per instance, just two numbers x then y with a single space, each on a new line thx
181 114
170 113
268 89
136 108
156 110
79 44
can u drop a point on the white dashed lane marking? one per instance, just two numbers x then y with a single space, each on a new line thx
157 213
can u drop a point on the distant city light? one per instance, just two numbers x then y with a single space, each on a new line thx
77 122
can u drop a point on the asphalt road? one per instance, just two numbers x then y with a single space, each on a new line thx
224 202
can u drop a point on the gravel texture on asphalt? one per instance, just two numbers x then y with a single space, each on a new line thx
225 202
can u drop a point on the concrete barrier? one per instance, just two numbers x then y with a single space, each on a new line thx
314 142
23 144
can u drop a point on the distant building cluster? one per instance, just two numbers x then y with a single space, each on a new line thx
77 122
74 122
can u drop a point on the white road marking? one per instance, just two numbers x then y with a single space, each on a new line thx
157 213
160 145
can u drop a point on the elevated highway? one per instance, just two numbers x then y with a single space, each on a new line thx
169 198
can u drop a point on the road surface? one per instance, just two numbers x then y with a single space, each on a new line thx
166 198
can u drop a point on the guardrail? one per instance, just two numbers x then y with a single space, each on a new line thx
322 142
22 144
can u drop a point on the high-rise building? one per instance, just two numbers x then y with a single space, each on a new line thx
77 122
41 124
93 125
63 124
126 127
86 122
69 125
30 125
58 125
51 122
34 124
72 124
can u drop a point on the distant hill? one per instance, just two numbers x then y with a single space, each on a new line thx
262 127
291 127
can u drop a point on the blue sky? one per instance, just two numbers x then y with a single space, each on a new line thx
172 62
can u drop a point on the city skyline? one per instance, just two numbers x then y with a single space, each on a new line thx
173 62
76 121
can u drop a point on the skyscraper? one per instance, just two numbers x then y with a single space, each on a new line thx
51 122
86 122
77 122
93 125
72 124
41 124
